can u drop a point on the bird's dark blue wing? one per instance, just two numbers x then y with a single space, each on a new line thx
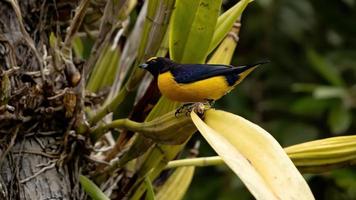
188 73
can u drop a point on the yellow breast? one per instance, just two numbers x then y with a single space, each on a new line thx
199 91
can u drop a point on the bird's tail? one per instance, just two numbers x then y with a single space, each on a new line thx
261 62
241 69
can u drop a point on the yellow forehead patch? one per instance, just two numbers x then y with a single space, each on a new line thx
152 58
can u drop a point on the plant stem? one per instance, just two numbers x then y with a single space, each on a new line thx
119 123
76 22
109 107
198 162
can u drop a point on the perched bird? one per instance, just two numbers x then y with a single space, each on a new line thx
195 82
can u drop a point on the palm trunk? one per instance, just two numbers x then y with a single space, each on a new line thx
36 144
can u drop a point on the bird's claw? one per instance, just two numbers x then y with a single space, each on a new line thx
199 108
186 108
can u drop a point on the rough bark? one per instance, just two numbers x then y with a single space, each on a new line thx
38 158
20 168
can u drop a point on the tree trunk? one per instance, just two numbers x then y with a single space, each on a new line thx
38 149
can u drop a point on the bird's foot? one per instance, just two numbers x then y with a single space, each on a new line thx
211 102
187 108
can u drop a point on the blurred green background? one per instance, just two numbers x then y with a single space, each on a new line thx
307 92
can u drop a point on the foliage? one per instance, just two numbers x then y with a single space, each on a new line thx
293 98
131 134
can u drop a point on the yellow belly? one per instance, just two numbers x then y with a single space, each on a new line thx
212 88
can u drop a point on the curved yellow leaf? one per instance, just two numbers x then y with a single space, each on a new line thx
265 156
325 154
177 184
235 160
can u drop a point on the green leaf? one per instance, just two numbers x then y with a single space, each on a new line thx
339 118
150 195
309 106
155 27
104 70
142 144
327 92
304 87
78 47
110 72
162 107
345 179
225 51
192 28
91 189
226 21
155 162
327 71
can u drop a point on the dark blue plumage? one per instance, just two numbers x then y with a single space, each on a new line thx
189 73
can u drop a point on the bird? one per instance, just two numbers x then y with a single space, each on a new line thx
190 83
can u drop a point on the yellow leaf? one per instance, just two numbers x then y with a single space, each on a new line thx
235 160
254 155
177 184
325 154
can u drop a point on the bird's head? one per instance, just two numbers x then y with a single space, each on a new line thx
157 65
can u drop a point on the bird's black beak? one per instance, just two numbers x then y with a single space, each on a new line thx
143 66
